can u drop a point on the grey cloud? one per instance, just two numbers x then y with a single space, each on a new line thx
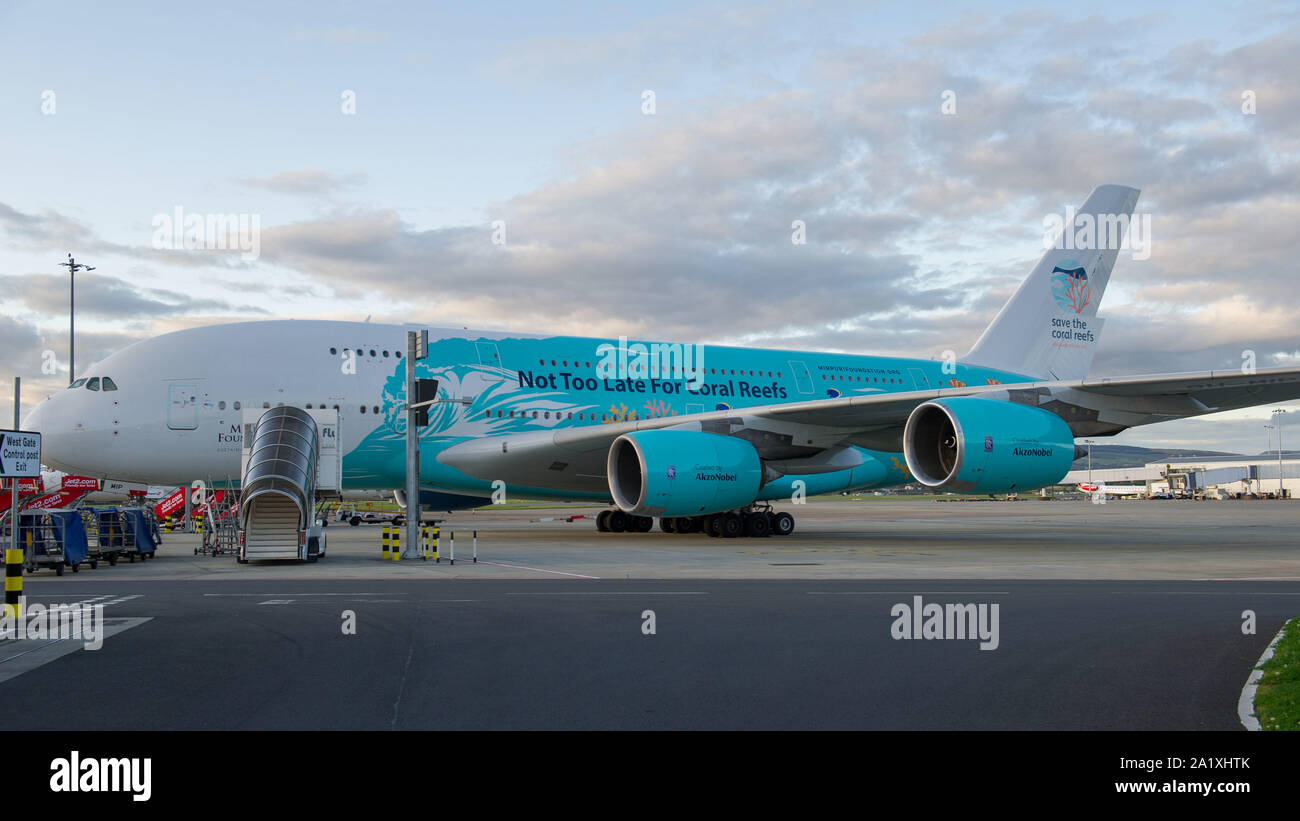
110 297
54 231
306 182
685 228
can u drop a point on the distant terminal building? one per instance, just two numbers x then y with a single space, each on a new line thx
1215 476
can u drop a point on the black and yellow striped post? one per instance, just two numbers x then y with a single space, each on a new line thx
424 542
397 544
13 583
387 540
437 541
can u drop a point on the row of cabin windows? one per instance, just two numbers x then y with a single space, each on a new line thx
743 372
712 371
94 383
582 417
362 352
237 406
888 381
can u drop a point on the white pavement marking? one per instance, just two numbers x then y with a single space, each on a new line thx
908 592
1253 579
302 594
29 658
277 601
123 599
1246 704
539 570
96 601
1196 593
619 593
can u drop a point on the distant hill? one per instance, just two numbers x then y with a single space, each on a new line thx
1128 456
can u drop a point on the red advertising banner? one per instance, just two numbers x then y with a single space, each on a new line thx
59 498
174 502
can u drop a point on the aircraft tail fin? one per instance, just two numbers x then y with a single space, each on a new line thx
1050 328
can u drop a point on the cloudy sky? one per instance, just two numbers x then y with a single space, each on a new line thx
376 146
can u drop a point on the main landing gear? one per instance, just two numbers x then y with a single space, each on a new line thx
749 522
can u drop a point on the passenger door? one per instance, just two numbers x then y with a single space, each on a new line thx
802 379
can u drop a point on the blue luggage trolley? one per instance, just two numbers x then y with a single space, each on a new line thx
54 539
139 533
111 534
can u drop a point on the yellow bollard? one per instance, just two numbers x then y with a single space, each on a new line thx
13 583
387 539
397 544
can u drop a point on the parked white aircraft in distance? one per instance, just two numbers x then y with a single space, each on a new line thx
1114 490
703 437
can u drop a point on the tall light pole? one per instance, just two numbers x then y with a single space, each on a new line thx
1089 443
1280 492
73 267
1268 432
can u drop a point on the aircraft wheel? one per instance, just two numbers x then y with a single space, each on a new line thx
758 525
667 524
618 521
782 524
641 524
711 524
685 524
602 521
731 525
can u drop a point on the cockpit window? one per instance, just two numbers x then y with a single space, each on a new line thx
77 384
109 384
93 384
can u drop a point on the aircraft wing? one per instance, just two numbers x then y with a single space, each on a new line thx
575 458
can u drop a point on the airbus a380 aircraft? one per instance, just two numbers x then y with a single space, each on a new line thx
705 441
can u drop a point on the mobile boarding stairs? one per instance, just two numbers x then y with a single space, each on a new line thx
290 455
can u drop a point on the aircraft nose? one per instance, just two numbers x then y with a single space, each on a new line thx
35 418
53 421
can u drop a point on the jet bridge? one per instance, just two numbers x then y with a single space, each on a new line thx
289 456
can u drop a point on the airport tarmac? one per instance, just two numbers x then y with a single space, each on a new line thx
576 654
887 539
1123 616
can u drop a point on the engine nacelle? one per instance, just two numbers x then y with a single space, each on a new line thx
682 473
972 445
